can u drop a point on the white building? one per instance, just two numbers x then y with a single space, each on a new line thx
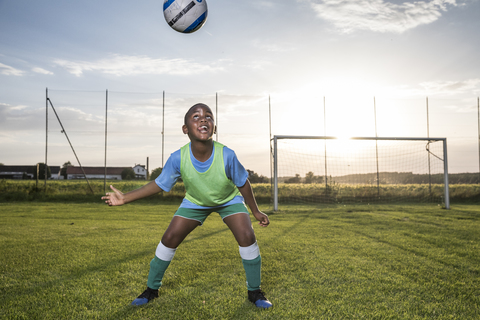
140 172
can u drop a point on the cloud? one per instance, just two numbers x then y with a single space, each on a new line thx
264 4
471 86
121 65
379 15
42 71
258 65
10 71
271 46
10 113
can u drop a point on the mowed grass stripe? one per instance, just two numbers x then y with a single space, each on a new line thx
89 261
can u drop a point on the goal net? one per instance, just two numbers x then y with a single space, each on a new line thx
322 169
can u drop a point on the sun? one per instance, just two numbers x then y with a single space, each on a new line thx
339 107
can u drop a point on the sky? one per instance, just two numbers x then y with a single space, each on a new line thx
286 67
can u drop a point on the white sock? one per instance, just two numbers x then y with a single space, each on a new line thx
250 252
164 253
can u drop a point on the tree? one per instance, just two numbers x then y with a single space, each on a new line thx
295 179
128 174
63 172
155 173
41 172
255 178
310 177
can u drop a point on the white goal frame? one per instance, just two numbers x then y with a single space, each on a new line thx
278 137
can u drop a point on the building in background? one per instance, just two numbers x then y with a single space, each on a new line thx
140 172
26 172
72 172
113 173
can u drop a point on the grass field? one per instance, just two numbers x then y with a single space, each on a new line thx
78 191
89 261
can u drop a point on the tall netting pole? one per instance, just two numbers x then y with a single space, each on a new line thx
163 126
270 141
46 137
216 115
275 174
428 148
71 146
106 132
445 174
325 134
376 145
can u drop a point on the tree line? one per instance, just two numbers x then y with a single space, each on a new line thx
386 178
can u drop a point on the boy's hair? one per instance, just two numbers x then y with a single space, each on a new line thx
190 110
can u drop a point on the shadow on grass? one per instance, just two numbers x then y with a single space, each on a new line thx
73 276
454 266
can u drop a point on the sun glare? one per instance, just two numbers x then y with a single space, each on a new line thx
341 108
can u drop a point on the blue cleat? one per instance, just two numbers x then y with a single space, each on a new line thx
257 297
145 297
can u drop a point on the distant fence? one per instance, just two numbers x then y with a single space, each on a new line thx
125 128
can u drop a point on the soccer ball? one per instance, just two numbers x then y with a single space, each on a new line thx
185 16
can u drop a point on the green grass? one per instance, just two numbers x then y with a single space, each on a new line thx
89 261
78 191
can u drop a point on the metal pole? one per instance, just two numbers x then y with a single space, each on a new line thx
216 116
106 130
428 148
269 118
270 143
275 175
478 112
325 134
376 145
38 173
46 137
428 124
163 126
71 146
147 176
445 174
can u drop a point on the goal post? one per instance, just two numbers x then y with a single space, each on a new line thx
326 169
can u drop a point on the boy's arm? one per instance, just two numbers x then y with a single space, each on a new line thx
118 198
247 194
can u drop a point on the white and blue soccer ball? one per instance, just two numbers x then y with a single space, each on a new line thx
185 16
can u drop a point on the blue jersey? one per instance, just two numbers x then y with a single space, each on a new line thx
233 169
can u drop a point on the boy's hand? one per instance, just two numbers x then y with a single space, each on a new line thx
114 198
262 217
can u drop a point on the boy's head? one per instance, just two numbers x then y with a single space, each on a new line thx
199 123
193 108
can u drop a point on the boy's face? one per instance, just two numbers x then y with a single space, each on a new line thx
199 123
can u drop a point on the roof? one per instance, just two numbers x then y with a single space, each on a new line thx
95 170
27 169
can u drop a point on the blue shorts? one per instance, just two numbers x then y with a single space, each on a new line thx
201 214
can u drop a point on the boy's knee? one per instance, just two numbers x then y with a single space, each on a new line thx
170 240
246 238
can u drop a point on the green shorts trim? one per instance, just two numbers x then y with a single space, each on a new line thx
201 215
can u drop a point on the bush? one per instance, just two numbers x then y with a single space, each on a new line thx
128 174
155 173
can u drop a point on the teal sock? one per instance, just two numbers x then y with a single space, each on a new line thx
253 272
157 270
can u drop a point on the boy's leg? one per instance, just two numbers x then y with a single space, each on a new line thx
241 227
158 265
176 232
252 263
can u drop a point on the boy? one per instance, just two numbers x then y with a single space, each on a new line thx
215 181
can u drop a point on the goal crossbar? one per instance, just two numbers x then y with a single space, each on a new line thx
428 139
